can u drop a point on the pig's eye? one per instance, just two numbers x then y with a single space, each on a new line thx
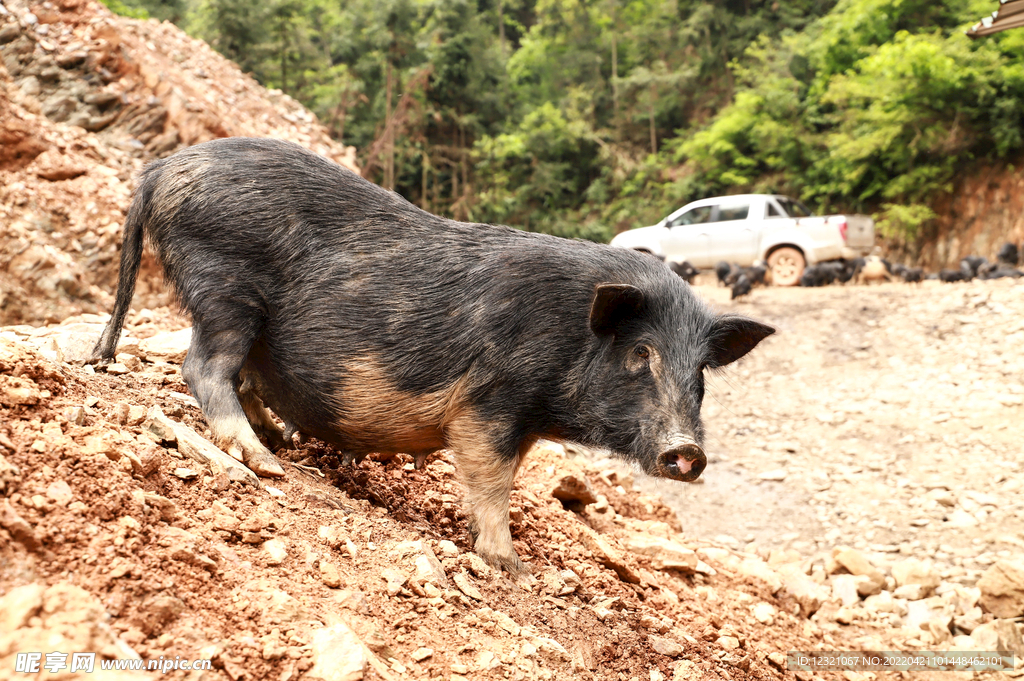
642 351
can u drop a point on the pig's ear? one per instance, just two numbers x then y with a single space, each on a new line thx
613 304
734 336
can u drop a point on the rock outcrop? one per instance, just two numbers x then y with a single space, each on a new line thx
86 98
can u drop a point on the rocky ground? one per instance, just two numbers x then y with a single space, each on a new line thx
862 494
893 412
884 419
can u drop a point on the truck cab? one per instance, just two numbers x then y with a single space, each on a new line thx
747 228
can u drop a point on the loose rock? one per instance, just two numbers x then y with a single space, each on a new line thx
764 613
337 655
664 554
572 490
329 574
808 594
914 571
275 551
855 562
997 635
1002 589
666 646
608 555
461 580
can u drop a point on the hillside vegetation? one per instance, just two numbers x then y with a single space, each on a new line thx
582 117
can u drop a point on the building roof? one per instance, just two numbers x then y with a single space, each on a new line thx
1009 15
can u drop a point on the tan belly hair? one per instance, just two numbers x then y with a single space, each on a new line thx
375 416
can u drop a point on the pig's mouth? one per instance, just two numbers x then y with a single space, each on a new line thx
685 461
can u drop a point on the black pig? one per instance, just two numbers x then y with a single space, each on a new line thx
685 270
970 265
366 322
756 273
950 276
1008 255
817 275
740 288
911 275
726 273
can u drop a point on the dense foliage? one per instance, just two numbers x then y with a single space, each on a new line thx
581 117
874 107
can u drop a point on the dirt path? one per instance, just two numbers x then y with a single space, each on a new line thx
887 418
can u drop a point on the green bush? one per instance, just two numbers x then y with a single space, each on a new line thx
119 7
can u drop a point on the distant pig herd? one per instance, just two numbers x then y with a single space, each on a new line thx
873 268
862 271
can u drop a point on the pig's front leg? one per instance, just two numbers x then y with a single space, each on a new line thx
487 475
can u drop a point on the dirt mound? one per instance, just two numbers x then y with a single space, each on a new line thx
86 98
337 567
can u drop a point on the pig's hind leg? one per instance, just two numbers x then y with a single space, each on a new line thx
211 370
259 418
487 476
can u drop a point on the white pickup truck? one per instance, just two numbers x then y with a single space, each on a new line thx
746 228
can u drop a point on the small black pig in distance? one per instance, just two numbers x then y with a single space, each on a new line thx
685 270
370 324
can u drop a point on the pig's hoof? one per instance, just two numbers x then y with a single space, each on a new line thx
95 360
350 459
509 563
263 463
272 435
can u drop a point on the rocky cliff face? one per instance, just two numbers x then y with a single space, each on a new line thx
86 98
984 211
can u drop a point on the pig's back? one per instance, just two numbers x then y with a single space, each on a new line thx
298 229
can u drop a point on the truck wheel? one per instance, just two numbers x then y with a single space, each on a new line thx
787 265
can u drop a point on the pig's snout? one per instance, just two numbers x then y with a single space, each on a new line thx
684 461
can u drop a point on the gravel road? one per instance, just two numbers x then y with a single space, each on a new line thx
886 418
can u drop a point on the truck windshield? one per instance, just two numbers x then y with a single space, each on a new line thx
795 209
